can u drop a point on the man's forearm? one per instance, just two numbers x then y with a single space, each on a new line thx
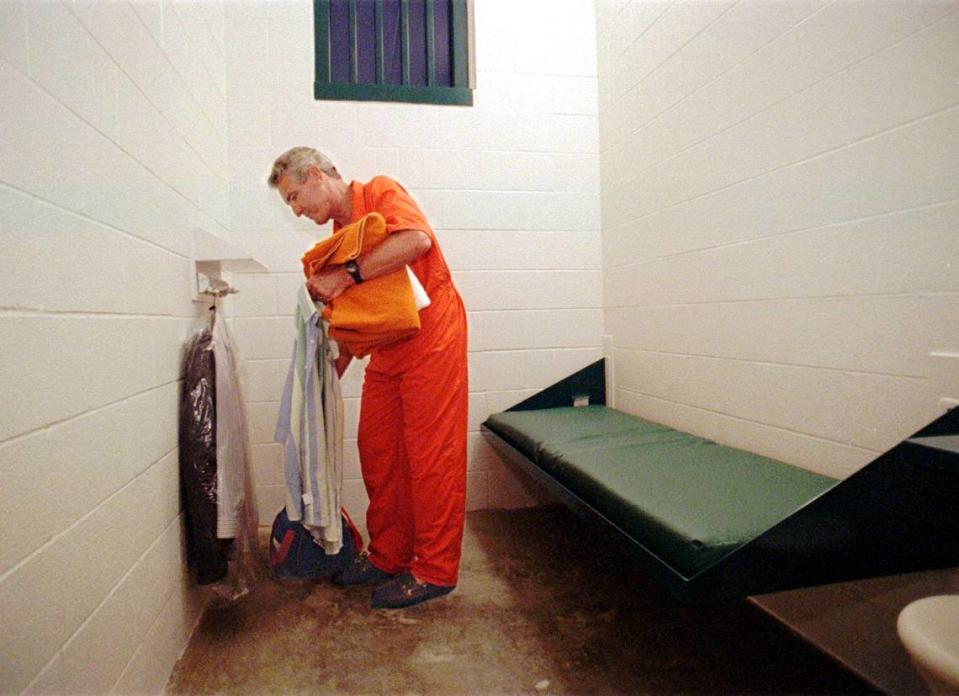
394 252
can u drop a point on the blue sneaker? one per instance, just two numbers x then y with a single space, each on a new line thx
405 591
361 572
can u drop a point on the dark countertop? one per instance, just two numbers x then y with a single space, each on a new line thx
855 622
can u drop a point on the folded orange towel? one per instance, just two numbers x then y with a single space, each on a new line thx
378 311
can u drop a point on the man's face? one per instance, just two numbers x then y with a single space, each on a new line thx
312 198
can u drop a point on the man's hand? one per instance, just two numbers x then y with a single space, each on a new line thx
394 252
329 283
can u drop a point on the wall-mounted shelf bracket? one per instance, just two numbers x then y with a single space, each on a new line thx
212 257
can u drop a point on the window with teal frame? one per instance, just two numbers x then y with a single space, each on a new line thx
393 50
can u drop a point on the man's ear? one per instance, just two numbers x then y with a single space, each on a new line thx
314 172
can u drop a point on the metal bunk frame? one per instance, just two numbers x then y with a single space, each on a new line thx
898 514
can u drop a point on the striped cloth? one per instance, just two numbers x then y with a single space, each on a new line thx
310 428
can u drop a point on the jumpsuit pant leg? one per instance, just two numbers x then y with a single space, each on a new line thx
412 441
435 396
389 517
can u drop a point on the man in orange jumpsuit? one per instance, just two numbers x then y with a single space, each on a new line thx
413 417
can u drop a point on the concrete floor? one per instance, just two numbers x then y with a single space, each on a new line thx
542 607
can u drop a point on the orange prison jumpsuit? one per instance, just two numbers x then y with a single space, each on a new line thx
412 433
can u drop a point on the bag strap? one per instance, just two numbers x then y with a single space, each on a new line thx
354 532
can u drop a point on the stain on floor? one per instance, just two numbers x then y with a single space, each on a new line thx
543 607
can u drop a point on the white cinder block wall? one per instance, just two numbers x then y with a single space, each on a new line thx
510 186
114 148
780 219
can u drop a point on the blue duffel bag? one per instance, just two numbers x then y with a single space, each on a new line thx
295 556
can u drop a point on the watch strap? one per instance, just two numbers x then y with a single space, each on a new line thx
354 270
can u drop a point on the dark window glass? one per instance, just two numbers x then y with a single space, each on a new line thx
365 41
418 42
441 42
340 33
393 50
392 44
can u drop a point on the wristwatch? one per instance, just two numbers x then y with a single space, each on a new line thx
353 269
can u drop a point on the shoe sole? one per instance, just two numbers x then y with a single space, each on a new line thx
439 591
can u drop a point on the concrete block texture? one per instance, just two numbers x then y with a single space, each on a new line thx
778 201
115 132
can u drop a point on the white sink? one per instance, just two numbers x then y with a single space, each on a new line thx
929 629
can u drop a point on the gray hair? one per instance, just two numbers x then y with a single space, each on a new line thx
297 160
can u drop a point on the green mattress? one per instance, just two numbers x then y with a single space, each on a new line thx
688 500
